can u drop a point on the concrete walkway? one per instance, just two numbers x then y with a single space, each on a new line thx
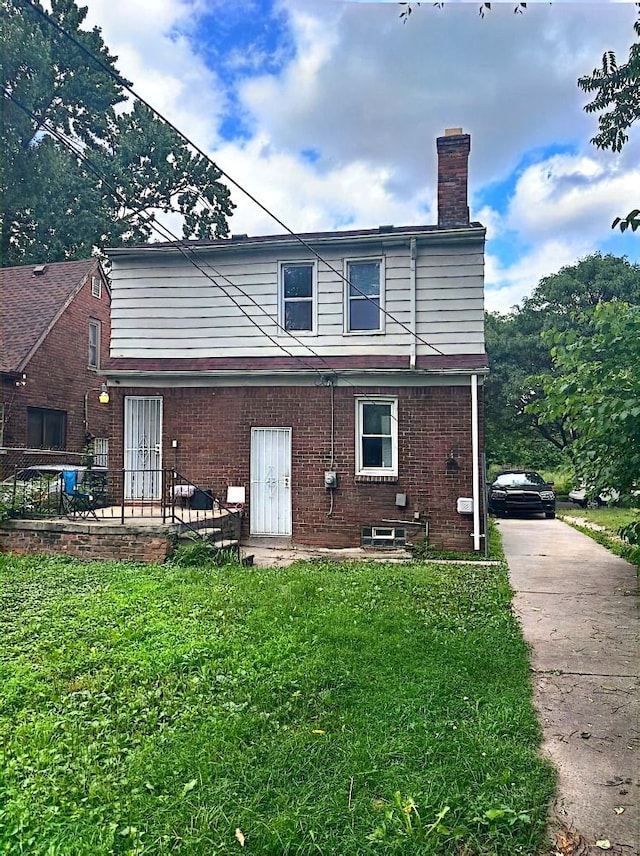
578 605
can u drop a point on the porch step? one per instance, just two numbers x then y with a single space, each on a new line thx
215 536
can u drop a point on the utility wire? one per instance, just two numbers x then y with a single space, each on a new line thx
122 82
163 231
189 255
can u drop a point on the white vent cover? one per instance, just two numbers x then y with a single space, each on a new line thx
464 505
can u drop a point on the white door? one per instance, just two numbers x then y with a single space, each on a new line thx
270 499
142 448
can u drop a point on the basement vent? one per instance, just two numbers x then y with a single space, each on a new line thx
382 536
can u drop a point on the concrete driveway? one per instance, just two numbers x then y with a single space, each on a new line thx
578 605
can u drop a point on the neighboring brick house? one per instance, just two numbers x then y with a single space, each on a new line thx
54 334
339 380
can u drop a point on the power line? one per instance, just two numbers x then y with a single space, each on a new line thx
122 82
325 379
166 233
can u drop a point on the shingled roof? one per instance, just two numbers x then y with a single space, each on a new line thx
32 298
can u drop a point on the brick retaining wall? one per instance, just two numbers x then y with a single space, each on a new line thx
85 540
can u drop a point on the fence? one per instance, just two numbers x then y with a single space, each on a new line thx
127 497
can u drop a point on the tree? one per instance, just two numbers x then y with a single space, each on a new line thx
124 165
596 389
520 357
617 99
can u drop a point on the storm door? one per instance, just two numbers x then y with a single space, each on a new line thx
142 448
270 499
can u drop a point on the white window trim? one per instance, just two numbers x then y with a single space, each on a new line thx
381 329
377 471
94 323
96 286
314 297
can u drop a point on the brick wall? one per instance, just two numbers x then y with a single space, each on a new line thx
83 540
213 430
58 375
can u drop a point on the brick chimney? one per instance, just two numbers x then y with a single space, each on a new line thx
453 169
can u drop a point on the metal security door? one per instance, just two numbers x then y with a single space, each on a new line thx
142 448
270 481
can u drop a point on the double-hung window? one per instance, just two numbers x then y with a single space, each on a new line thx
298 296
364 297
94 344
46 429
376 436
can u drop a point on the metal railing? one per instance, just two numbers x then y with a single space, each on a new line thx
125 497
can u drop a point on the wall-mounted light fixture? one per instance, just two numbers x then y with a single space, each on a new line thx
452 465
103 398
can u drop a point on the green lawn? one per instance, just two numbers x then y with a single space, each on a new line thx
323 708
607 520
610 518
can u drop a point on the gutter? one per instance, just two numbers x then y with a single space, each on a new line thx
384 377
435 235
413 254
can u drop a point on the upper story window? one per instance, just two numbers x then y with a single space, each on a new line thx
364 296
94 344
298 296
46 429
96 287
376 436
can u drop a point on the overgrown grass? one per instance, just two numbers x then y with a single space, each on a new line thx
322 708
610 519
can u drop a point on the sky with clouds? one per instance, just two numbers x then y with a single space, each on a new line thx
327 111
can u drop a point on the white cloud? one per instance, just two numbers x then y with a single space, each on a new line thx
369 95
355 195
150 39
506 286
572 195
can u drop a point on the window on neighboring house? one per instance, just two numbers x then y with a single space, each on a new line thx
46 429
297 296
364 296
96 287
377 436
101 452
94 344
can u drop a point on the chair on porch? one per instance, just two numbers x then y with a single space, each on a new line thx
74 501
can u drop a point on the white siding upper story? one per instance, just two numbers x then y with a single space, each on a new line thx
226 300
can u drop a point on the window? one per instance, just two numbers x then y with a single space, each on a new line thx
364 296
297 290
96 287
382 536
101 452
46 429
1 424
94 344
377 437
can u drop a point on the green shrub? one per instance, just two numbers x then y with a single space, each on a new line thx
202 552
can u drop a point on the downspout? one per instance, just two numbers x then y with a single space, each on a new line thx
475 454
413 253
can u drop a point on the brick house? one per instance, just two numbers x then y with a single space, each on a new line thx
338 379
54 334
